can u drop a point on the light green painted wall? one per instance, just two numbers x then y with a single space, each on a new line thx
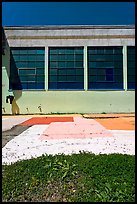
74 101
5 79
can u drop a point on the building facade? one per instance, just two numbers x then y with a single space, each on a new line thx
68 69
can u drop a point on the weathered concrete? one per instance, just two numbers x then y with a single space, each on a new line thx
28 145
8 123
65 36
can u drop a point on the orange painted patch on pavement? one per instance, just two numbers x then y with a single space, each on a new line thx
46 120
118 123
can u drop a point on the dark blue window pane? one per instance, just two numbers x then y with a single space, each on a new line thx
40 52
69 68
52 85
105 68
39 71
109 74
131 67
131 85
109 77
24 86
70 85
40 85
27 67
103 85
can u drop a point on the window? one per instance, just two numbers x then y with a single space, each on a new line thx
131 67
66 71
27 68
105 68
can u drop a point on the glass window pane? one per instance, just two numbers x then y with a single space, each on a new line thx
92 71
80 72
61 64
131 78
31 64
62 72
52 85
118 78
53 64
109 71
101 72
109 77
40 78
71 71
118 50
39 71
131 85
53 57
70 64
16 57
70 78
40 64
25 51
79 78
79 64
79 57
78 50
69 51
62 78
61 51
92 51
70 57
92 78
23 78
131 71
40 85
31 85
109 51
22 64
24 85
118 57
31 78
53 72
53 78
53 51
100 51
14 51
40 57
66 67
30 51
40 52
131 50
32 57
31 71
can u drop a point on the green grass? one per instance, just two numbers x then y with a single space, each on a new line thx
83 177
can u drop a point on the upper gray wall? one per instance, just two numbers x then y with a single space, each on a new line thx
70 36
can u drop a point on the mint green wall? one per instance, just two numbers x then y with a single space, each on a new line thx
30 102
5 79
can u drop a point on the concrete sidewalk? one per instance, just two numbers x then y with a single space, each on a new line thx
10 122
63 137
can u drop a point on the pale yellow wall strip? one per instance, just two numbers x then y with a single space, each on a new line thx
46 68
125 67
85 69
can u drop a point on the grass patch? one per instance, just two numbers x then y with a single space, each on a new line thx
83 177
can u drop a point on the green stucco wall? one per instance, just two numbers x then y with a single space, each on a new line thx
30 102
